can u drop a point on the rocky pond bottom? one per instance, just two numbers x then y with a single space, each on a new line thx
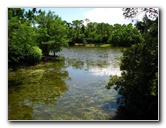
70 89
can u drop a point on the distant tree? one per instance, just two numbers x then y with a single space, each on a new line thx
78 27
125 35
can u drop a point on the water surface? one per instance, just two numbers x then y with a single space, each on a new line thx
70 89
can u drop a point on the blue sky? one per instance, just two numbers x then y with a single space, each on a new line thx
106 15
69 14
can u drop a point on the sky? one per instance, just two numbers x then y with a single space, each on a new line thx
106 15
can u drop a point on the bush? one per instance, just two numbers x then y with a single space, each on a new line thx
34 55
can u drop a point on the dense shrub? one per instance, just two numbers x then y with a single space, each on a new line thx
138 83
34 55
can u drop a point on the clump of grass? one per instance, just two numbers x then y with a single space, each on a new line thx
89 45
102 45
105 45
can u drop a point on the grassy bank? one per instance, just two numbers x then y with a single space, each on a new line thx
93 45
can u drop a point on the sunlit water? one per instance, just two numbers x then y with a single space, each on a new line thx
71 89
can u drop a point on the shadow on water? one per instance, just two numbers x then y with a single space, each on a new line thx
14 85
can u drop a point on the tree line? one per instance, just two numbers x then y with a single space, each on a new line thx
34 33
103 33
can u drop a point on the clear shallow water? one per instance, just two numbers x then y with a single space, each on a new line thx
72 89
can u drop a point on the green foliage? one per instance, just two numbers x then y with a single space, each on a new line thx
32 31
125 35
20 38
34 55
52 33
102 33
105 45
138 82
114 80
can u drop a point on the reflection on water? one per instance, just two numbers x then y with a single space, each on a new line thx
96 67
39 86
99 61
72 89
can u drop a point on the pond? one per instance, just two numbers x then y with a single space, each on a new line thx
69 89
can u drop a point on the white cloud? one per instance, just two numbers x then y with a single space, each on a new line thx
107 15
